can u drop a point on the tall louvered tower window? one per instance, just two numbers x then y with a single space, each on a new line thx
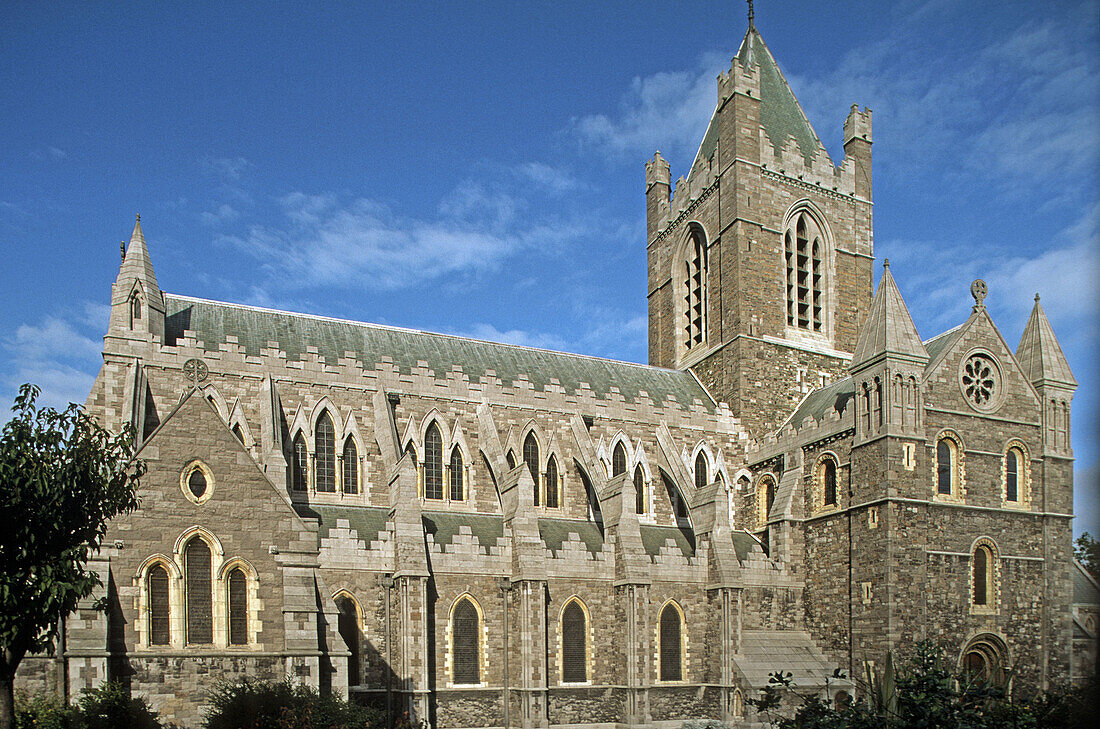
237 590
531 458
695 290
349 476
200 619
671 651
324 461
804 258
159 606
574 637
433 463
465 643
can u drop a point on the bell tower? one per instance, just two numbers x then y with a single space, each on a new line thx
760 258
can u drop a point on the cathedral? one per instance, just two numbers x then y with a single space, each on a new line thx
488 535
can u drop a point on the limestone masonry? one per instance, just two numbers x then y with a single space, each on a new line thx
486 535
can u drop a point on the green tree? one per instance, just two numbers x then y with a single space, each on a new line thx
1087 551
62 478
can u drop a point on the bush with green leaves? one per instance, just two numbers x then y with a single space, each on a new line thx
107 707
925 694
251 704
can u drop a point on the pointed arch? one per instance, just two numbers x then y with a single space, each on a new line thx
350 467
432 460
324 454
552 486
641 492
690 277
238 424
574 641
531 459
212 396
808 265
465 629
198 591
349 623
670 642
159 615
619 459
299 463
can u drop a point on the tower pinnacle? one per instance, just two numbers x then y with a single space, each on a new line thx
752 16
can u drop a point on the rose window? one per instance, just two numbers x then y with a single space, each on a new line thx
980 381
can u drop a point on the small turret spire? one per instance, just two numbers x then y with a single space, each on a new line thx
752 16
122 249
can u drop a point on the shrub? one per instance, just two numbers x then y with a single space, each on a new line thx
251 704
106 707
44 711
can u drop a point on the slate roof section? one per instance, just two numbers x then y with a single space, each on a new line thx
781 115
1039 354
255 328
367 521
766 651
942 342
555 532
444 525
889 329
743 544
818 403
1085 590
654 537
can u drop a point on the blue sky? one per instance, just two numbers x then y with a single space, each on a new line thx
477 168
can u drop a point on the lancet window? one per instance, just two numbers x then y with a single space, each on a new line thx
805 263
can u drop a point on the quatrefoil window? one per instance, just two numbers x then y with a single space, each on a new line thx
980 380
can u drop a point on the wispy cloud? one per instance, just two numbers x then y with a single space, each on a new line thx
227 168
53 154
59 353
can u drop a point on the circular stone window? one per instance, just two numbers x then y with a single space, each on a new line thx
197 482
980 380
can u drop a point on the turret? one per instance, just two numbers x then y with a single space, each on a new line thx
137 305
658 181
1045 366
857 147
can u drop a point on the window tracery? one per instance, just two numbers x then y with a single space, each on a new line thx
805 262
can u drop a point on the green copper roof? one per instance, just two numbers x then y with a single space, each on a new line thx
555 532
444 525
367 521
256 329
655 537
781 116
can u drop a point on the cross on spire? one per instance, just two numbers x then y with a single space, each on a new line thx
752 16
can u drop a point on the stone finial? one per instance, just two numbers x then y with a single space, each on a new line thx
122 249
978 290
1036 297
752 16
886 264
138 216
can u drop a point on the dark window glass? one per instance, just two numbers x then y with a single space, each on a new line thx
135 310
830 482
196 483
511 458
670 645
299 464
702 478
325 461
238 432
200 622
433 463
238 607
456 475
531 458
1011 476
618 460
945 467
981 576
574 635
350 473
552 483
769 495
348 624
465 643
160 625
639 491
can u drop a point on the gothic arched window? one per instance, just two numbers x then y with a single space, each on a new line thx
197 578
160 624
947 466
804 259
465 643
828 481
237 592
299 463
639 491
349 476
574 643
702 478
347 622
135 310
433 463
552 499
671 643
694 275
531 458
324 461
238 432
456 474
618 460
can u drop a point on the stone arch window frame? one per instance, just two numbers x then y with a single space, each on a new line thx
322 409
740 487
296 436
360 624
458 441
819 491
237 420
1023 475
675 605
197 464
989 644
482 637
433 418
712 462
143 619
212 395
135 305
547 449
219 613
253 603
993 577
588 657
737 704
641 461
958 470
763 509
695 239
827 293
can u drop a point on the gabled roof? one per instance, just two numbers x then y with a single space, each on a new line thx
1085 589
1039 355
780 113
255 328
889 329
822 401
941 342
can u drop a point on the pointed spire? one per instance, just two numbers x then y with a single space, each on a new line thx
137 266
889 329
752 17
1039 354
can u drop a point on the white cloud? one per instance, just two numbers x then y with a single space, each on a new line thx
224 213
53 338
227 168
490 333
554 179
